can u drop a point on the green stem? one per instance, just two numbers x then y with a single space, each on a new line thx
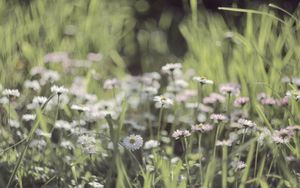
160 122
224 166
200 155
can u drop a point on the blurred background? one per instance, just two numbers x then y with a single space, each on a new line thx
139 36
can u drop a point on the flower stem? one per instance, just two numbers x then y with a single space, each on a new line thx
224 166
160 122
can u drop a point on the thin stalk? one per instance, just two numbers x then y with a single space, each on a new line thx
216 138
256 156
8 148
160 122
56 113
200 162
224 166
186 159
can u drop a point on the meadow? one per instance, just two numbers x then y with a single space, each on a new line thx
226 114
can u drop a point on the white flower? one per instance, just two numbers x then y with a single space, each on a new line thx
241 101
96 185
171 68
218 117
58 89
180 133
34 85
202 80
163 101
61 124
246 123
13 123
11 92
111 83
151 144
150 90
202 127
39 100
224 143
79 108
230 88
133 142
29 117
238 165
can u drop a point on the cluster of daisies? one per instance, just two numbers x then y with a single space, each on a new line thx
156 111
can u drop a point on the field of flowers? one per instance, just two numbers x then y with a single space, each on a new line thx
226 115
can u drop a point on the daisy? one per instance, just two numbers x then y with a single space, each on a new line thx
11 93
163 101
111 83
202 128
240 101
58 89
224 143
79 108
230 88
202 80
180 133
151 144
39 100
218 117
29 117
246 123
133 142
34 85
171 68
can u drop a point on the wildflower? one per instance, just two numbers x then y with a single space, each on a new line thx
224 143
67 144
11 93
111 83
230 88
95 184
58 89
29 117
34 85
150 91
151 144
268 101
240 101
13 123
185 95
39 100
180 133
246 123
133 142
49 76
163 101
238 165
202 80
79 108
283 101
61 124
282 136
202 128
177 86
214 98
218 117
294 94
171 68
56 57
